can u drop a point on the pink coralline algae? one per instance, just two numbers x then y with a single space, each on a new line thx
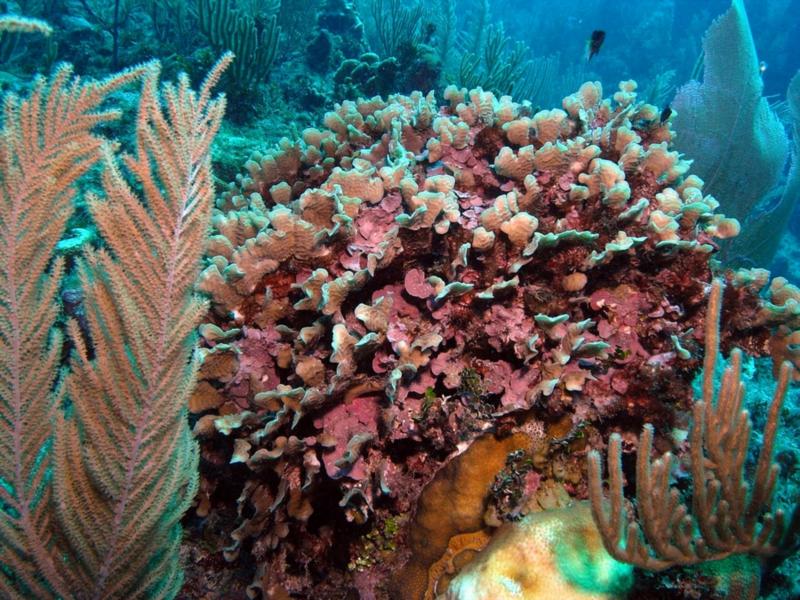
413 276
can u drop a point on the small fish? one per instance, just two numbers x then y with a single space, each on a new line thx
595 42
665 114
428 31
762 66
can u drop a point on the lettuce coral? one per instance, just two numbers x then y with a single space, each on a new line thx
390 288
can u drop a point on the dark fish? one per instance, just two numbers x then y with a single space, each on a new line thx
666 113
596 41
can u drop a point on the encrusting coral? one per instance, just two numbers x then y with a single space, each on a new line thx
390 288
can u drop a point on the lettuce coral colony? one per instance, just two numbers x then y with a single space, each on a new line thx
419 284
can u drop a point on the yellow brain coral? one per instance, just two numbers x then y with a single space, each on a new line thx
553 554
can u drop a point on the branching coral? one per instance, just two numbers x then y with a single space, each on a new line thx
11 26
231 28
396 23
497 66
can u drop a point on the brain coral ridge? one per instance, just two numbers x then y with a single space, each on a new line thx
389 287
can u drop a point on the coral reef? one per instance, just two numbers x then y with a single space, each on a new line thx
414 277
731 515
366 75
338 36
423 314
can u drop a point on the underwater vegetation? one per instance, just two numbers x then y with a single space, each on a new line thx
486 340
99 464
